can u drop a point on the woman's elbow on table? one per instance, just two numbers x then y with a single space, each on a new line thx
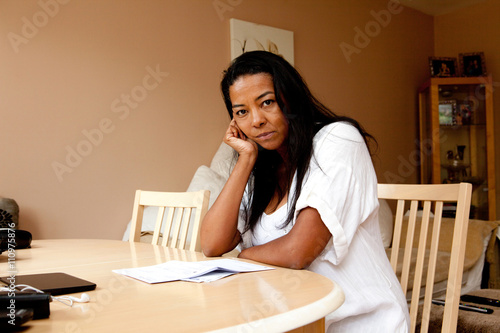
211 252
209 249
300 261
216 248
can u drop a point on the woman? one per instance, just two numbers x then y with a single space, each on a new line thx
303 193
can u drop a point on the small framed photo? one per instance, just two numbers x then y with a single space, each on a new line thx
448 112
465 113
443 66
472 64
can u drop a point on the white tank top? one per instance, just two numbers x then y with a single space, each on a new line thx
268 226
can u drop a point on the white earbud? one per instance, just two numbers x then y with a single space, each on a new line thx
83 299
68 300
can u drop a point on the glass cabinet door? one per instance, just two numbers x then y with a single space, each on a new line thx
456 137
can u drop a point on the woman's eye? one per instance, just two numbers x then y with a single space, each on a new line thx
240 113
268 102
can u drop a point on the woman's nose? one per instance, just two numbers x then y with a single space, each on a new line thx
258 119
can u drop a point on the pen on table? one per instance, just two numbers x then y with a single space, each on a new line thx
466 307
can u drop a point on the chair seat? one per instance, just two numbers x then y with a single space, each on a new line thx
468 321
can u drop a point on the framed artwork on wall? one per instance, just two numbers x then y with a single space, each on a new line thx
247 36
472 64
443 66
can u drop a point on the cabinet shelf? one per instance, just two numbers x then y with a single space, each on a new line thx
456 167
456 127
456 137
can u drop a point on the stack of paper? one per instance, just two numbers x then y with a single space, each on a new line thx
198 271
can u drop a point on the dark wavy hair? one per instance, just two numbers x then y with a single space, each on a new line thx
305 115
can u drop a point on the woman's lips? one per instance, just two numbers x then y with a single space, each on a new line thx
265 136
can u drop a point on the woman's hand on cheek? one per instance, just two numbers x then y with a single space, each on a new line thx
236 139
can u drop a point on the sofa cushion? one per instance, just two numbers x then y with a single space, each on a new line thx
207 179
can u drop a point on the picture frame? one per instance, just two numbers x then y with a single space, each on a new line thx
447 112
248 36
465 113
443 66
472 64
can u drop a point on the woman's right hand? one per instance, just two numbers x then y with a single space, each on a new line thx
219 230
236 139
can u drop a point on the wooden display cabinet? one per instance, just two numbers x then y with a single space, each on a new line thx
456 137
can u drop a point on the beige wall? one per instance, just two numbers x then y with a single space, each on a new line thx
65 78
475 29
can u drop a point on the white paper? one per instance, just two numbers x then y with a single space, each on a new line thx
194 271
209 277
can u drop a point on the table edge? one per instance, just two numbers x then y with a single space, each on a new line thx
295 318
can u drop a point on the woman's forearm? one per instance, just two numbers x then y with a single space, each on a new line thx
219 233
298 248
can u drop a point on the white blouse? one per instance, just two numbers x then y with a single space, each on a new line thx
342 186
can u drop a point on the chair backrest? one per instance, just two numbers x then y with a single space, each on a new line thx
179 207
427 196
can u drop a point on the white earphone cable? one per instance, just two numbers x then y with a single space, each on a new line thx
66 300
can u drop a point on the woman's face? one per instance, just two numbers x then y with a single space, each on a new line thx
257 113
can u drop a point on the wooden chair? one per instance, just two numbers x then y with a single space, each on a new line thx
179 206
428 195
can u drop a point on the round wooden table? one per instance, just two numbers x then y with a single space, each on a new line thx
276 300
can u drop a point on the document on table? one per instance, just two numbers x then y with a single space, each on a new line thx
194 271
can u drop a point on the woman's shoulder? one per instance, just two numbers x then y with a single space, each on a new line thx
341 130
339 143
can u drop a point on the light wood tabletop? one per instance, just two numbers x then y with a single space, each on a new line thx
267 301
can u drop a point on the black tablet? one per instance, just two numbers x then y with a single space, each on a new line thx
53 283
